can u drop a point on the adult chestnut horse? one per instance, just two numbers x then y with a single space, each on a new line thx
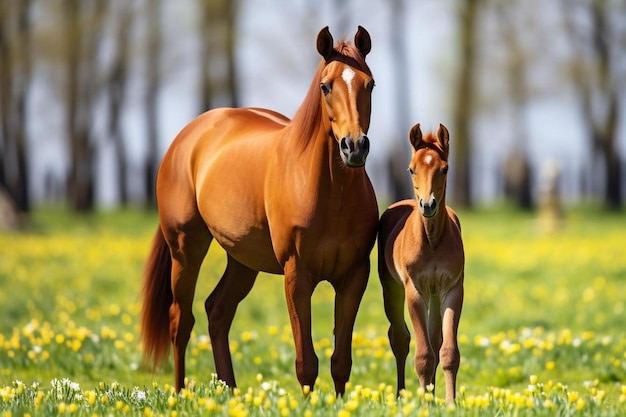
282 196
421 258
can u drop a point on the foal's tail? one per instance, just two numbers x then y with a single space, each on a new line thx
157 298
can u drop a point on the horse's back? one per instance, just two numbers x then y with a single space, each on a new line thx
394 217
218 127
207 135
391 224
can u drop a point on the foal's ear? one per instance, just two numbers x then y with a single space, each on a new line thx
325 43
443 137
415 136
362 41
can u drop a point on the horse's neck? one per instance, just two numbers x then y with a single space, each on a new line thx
434 227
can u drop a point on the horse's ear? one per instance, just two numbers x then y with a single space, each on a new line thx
325 43
362 40
443 137
415 136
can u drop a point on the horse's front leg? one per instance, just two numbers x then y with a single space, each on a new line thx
299 287
425 358
349 292
449 353
434 329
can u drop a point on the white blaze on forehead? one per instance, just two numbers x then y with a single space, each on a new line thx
347 76
428 159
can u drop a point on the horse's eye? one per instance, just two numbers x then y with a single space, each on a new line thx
411 171
325 88
370 86
444 170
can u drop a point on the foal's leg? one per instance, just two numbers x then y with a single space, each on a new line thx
220 307
425 358
449 353
399 336
434 330
299 286
349 292
188 248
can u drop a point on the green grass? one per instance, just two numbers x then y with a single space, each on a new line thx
541 333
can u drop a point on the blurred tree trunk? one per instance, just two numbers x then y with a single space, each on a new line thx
117 93
153 13
15 75
517 169
463 104
604 130
231 48
218 46
206 49
83 33
596 80
399 157
5 88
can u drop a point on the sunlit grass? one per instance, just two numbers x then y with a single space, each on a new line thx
65 397
541 331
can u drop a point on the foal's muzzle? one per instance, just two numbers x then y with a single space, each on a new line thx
354 153
428 208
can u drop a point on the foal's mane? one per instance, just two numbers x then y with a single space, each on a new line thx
308 115
430 141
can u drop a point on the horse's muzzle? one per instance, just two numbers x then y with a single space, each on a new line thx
354 153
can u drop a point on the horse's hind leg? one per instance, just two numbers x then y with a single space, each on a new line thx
220 306
188 246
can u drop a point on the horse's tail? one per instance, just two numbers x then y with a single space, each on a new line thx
157 298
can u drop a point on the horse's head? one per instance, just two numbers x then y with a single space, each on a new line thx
346 87
429 168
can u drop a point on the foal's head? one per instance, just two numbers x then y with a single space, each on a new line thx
346 88
429 168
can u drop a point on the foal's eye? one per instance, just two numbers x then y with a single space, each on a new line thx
325 88
370 86
444 170
411 171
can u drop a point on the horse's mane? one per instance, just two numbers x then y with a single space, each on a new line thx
308 115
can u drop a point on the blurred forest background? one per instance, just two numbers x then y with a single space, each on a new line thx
533 91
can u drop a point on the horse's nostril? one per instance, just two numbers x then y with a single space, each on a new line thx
347 145
364 144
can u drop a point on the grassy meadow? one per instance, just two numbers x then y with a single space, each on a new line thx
542 332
